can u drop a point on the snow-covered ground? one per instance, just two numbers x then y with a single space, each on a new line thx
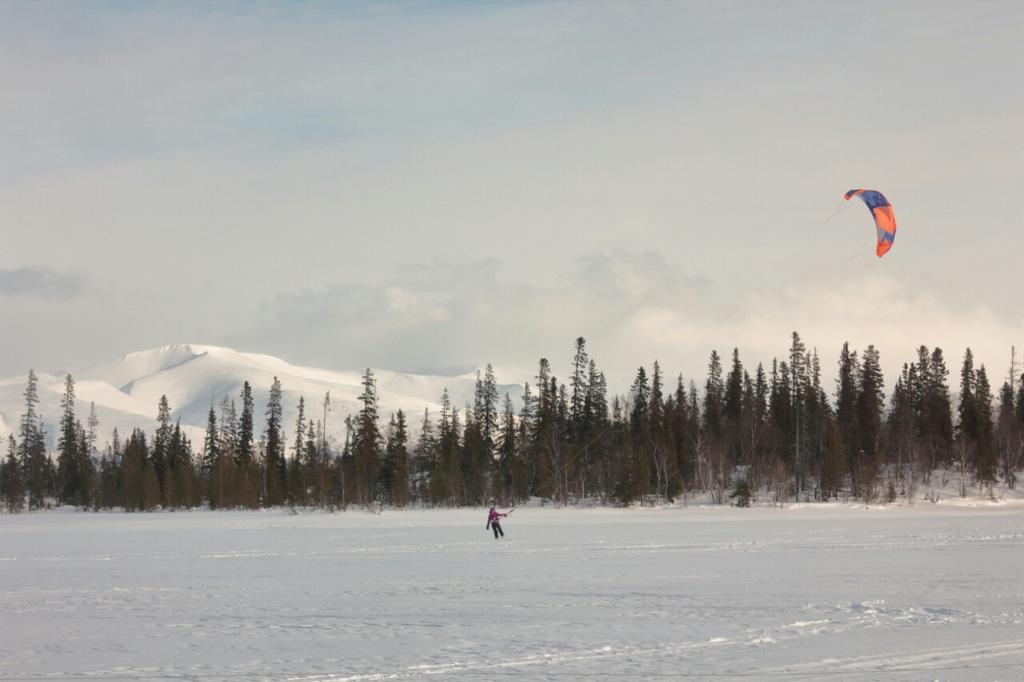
930 592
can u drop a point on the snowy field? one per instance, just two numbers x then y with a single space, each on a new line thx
931 592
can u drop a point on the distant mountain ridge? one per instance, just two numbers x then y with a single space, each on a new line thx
195 376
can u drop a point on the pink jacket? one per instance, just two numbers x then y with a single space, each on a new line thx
493 516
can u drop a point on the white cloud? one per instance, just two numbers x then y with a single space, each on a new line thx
39 282
632 307
258 174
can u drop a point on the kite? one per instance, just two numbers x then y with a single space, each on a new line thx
881 210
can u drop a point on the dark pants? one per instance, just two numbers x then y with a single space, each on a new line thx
497 529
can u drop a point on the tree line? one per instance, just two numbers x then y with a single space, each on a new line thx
771 431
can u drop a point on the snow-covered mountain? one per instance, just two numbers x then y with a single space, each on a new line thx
126 390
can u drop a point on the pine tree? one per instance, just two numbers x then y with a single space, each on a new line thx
741 493
918 392
939 438
478 441
696 447
797 384
714 391
835 462
637 451
451 463
597 399
473 459
544 448
387 465
505 489
326 406
300 429
246 480
781 411
817 414
366 443
527 414
562 453
488 410
967 420
439 446
218 466
106 489
86 470
297 470
276 473
678 416
171 491
985 457
426 459
12 488
29 420
663 456
755 425
316 467
89 457
640 396
343 467
733 408
42 477
246 449
397 469
68 456
138 476
1009 437
846 411
870 400
32 447
178 479
903 419
580 387
656 407
91 435
161 445
229 430
968 424
581 426
211 446
117 465
1020 401
627 486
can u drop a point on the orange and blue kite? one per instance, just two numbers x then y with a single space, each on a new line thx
881 210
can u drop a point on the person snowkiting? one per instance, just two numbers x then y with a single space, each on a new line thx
494 522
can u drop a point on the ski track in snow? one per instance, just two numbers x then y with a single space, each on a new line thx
828 593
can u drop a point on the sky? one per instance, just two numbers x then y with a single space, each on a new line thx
431 186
